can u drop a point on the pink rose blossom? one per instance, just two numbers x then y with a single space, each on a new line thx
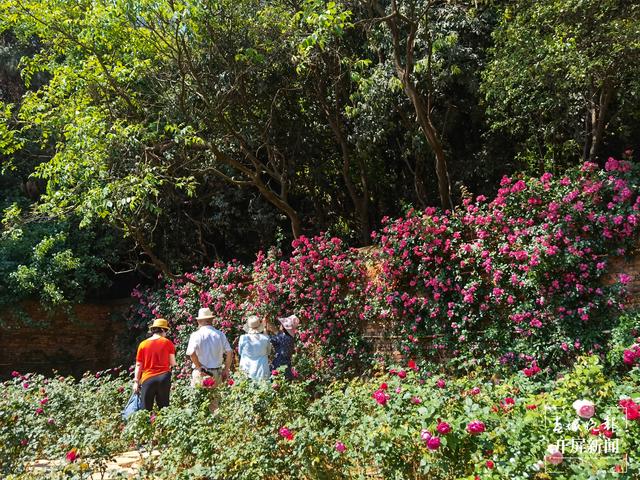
72 455
208 382
476 427
443 428
286 433
433 443
584 408
554 457
381 397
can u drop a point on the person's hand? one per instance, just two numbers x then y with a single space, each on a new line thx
136 387
225 374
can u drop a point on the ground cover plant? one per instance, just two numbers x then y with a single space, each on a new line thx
404 422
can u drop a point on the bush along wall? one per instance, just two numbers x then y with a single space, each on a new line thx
517 278
321 282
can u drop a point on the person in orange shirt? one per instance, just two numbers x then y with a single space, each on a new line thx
152 376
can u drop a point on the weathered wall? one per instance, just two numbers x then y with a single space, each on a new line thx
631 267
87 338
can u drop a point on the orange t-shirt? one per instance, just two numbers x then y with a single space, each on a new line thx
153 354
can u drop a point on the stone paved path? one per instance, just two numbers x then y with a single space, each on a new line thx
126 463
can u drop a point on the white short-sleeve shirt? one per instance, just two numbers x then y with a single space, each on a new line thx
209 345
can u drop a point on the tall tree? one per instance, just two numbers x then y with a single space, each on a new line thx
410 24
148 102
562 73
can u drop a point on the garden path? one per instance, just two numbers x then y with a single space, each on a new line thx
125 464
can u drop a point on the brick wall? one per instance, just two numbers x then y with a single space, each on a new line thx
87 338
631 267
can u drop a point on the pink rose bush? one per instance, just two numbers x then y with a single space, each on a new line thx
449 431
519 276
321 282
452 274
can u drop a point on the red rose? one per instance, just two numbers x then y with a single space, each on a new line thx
72 455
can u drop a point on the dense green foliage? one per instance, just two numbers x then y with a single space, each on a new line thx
562 81
382 427
50 259
204 129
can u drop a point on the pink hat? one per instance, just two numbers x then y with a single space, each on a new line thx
290 324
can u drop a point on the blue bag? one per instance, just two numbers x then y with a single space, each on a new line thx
133 405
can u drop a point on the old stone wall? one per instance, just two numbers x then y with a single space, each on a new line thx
88 337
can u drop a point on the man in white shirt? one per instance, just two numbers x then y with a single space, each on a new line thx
210 353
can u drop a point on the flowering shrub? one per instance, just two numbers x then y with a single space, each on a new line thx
62 419
520 275
321 282
519 278
224 288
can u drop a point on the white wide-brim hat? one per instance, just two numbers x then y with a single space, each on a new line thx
253 325
204 314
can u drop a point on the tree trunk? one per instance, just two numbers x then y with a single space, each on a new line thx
598 120
360 201
430 133
404 64
418 182
288 210
588 134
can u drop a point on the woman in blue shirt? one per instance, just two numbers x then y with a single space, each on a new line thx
254 348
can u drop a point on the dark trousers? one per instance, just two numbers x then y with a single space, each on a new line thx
156 389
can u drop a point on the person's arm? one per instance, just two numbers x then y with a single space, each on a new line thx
191 352
137 373
172 355
196 362
267 326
